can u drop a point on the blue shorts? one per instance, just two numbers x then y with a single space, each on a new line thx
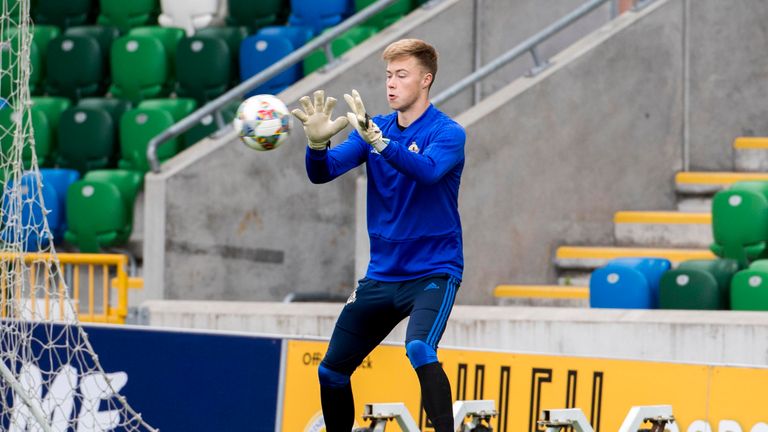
375 308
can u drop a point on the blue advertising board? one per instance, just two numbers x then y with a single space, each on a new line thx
178 380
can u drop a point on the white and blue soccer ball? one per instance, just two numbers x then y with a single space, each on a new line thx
263 122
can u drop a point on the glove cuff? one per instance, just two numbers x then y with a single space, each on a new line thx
380 144
319 146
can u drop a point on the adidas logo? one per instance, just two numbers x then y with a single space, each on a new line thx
431 286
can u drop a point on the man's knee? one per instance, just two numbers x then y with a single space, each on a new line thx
330 378
420 353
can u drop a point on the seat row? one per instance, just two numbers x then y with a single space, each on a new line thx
56 205
650 283
100 133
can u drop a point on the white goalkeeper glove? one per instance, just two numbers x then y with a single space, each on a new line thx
362 122
317 120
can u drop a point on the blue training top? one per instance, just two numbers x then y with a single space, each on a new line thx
413 191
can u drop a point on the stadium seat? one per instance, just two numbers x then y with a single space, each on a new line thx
178 107
193 15
96 216
9 50
42 135
208 126
233 36
139 68
698 284
749 287
345 42
318 15
34 203
266 48
256 14
627 283
126 15
76 67
388 16
137 127
59 179
169 36
128 182
115 107
740 222
87 139
203 68
52 107
104 35
63 14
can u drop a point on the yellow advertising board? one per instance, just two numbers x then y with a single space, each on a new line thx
704 398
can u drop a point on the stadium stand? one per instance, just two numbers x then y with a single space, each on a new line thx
192 15
96 216
126 15
203 68
740 222
137 127
267 47
749 287
255 15
37 204
140 68
63 14
318 16
339 46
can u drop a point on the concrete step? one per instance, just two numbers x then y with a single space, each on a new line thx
592 257
542 295
751 153
573 277
694 203
709 183
663 229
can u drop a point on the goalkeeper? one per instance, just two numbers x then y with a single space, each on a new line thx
414 159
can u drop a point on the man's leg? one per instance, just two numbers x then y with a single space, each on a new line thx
432 306
365 321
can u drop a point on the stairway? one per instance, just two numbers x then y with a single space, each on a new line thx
677 235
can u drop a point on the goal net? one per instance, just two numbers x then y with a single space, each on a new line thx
50 376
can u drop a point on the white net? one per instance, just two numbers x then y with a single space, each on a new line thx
50 376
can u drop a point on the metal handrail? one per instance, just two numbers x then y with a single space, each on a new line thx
527 46
244 87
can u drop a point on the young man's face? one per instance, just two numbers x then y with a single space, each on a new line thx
406 81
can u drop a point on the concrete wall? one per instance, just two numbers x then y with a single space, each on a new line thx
224 222
599 131
687 336
728 78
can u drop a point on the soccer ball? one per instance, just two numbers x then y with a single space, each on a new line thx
263 122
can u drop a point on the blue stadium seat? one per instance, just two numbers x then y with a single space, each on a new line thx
59 179
23 217
267 47
627 283
319 15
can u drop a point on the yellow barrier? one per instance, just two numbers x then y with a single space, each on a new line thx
113 291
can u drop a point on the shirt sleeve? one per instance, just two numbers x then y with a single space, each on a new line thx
325 165
442 153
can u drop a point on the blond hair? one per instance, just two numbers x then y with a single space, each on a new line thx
424 53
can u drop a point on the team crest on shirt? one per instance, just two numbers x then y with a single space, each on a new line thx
413 147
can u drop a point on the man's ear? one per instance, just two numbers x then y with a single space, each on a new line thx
427 80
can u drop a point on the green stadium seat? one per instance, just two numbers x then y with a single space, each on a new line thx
740 222
104 35
749 288
169 36
96 216
126 15
76 67
139 68
42 137
127 182
204 68
53 107
233 36
388 16
178 107
698 284
257 14
137 127
115 107
87 139
345 42
63 14
9 50
208 126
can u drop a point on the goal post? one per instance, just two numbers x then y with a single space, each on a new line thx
50 376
